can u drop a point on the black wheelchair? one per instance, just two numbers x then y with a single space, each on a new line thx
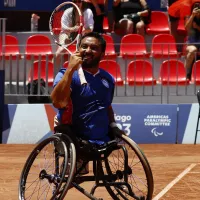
119 165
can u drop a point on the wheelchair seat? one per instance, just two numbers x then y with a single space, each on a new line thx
90 151
86 150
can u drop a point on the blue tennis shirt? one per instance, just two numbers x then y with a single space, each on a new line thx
90 104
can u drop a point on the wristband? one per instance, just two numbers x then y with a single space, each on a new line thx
113 125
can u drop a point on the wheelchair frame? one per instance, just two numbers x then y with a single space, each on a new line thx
63 175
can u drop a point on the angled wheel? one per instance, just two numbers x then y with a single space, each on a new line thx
44 173
71 166
132 172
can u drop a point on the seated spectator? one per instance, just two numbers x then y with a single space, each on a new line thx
88 26
193 42
99 9
131 16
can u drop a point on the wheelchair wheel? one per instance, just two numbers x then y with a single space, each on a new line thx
71 165
134 180
44 173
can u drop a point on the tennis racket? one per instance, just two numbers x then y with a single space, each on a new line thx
66 24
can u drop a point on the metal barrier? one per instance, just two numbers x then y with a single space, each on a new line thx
2 75
20 71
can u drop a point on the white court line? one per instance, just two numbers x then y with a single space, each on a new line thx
170 185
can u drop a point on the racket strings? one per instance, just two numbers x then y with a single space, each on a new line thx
65 24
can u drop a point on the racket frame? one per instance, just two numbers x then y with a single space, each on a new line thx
77 39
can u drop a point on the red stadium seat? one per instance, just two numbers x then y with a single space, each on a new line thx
72 48
57 22
196 73
133 46
106 27
65 65
45 68
172 72
140 73
164 46
159 23
38 44
11 48
113 68
181 27
110 50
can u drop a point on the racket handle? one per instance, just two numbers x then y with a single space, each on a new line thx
81 75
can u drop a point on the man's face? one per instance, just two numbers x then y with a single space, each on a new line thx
90 50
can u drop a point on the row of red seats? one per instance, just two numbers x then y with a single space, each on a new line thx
132 46
163 46
157 26
35 45
140 72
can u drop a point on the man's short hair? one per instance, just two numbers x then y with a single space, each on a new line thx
98 37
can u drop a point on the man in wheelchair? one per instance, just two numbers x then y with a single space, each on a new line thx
118 164
54 165
90 104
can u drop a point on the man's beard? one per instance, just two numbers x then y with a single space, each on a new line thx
92 63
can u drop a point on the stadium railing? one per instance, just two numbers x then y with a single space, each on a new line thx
20 71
